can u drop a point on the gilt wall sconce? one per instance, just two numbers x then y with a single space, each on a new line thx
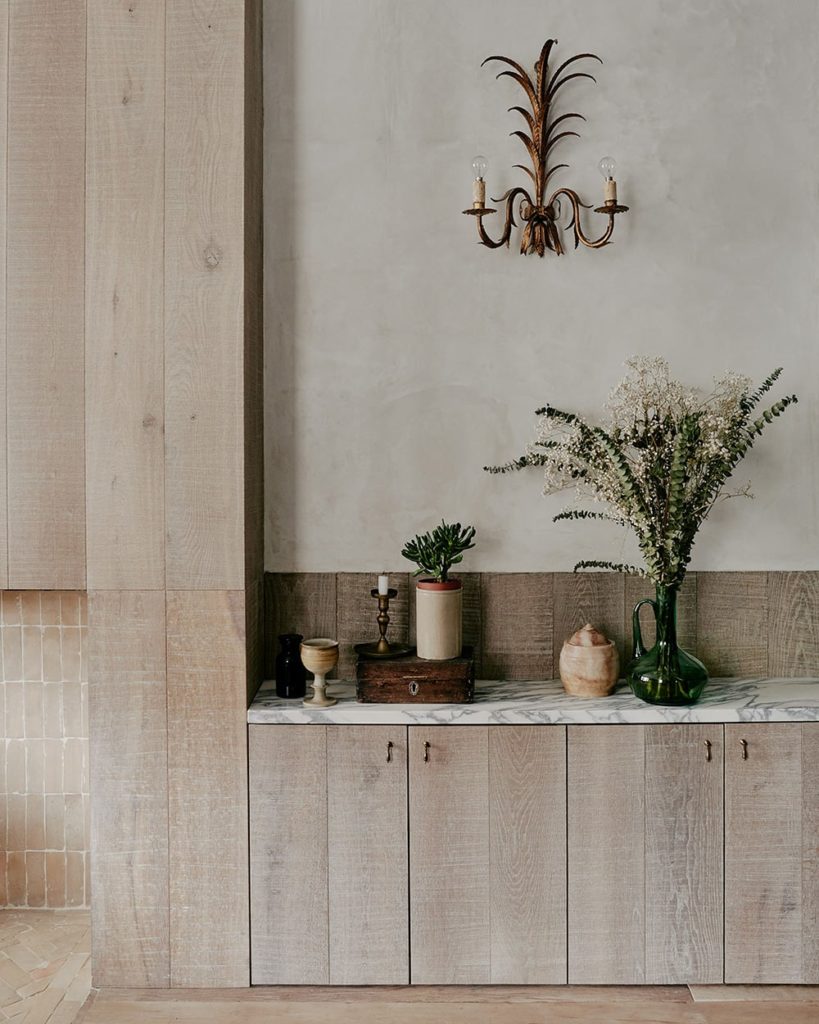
540 215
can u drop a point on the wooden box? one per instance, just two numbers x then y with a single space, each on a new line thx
411 680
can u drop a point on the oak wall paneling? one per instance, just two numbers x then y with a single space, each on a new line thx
4 68
746 619
205 309
301 602
732 622
793 623
45 286
129 787
517 625
124 287
207 789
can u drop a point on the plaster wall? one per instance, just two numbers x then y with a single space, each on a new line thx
401 356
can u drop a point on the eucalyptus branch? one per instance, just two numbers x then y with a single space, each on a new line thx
659 464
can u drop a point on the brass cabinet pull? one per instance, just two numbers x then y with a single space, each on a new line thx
708 750
426 750
744 745
389 751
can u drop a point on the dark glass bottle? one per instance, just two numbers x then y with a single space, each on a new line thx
291 675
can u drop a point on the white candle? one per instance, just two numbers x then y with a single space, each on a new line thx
383 585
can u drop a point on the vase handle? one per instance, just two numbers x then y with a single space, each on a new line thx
639 649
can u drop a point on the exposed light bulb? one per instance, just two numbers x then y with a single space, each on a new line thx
608 165
479 166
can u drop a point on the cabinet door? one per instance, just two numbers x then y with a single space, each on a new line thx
645 854
289 927
606 854
684 854
367 844
772 853
328 828
487 855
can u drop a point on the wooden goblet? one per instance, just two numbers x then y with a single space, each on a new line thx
319 656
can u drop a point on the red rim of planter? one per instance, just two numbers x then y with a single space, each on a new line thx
435 585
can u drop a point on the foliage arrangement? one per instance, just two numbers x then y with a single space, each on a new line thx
660 463
435 553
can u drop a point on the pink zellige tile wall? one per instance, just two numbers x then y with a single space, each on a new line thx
44 765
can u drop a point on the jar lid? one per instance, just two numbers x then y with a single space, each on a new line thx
588 636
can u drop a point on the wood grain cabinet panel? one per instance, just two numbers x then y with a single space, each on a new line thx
449 854
606 823
367 855
487 855
645 854
328 856
683 854
771 853
289 932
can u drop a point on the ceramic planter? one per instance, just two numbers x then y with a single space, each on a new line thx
439 619
589 664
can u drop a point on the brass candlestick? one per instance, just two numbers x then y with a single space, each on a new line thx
382 648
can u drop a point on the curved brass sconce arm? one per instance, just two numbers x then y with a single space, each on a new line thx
479 212
609 208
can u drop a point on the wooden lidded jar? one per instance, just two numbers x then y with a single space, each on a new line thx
589 664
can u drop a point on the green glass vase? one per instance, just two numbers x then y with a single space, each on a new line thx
665 674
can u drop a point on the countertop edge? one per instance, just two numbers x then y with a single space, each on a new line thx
726 701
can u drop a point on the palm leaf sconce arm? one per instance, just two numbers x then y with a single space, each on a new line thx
538 211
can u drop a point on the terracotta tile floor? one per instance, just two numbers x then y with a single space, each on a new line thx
45 965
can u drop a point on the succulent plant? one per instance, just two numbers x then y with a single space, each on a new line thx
435 553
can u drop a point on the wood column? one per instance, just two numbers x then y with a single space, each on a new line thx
174 471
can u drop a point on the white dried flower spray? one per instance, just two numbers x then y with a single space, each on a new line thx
658 463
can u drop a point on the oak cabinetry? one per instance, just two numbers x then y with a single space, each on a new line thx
591 854
645 854
487 855
772 853
328 855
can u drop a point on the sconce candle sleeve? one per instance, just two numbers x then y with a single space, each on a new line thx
610 191
479 192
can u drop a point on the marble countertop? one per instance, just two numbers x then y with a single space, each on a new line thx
545 703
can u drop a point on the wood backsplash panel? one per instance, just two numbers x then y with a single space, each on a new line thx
793 623
518 625
595 597
297 602
732 623
356 612
738 623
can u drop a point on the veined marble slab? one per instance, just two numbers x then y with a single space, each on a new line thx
545 703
